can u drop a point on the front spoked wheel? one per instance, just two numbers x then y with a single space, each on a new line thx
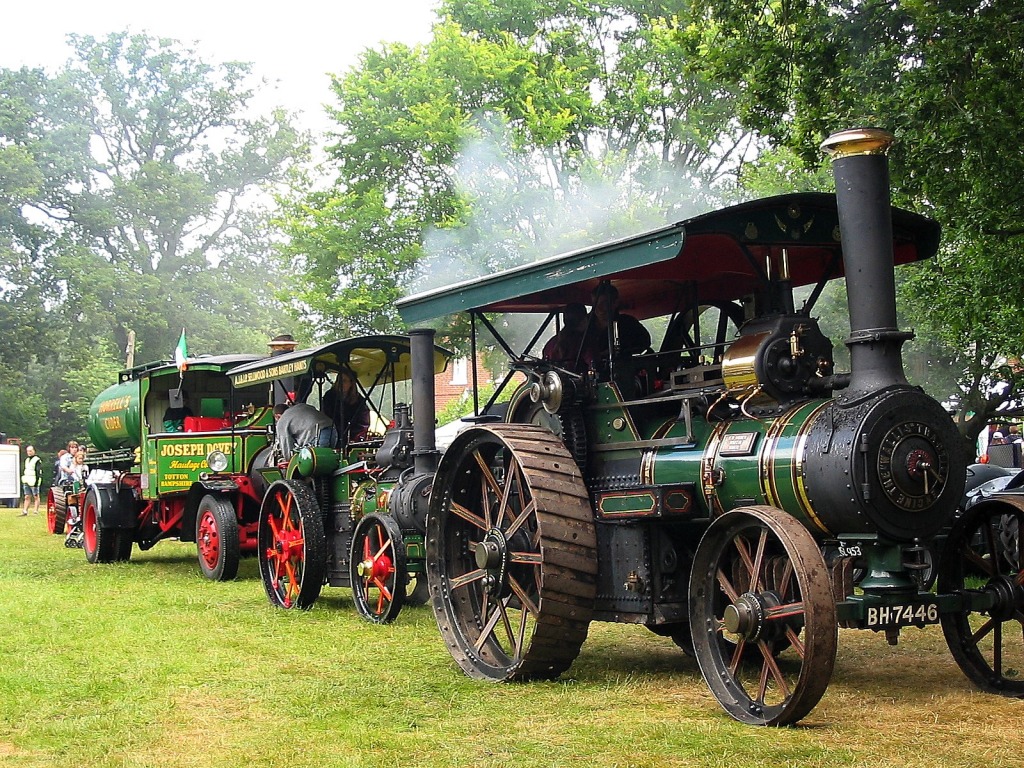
759 584
292 546
983 556
217 538
378 569
511 553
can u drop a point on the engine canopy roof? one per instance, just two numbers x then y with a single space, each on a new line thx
723 255
373 359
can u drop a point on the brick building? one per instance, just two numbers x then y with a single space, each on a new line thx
456 382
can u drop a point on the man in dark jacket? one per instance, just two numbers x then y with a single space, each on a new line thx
301 425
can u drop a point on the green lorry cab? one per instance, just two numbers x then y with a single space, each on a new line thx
154 432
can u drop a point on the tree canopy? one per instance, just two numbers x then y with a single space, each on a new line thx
945 78
134 196
519 130
133 182
524 126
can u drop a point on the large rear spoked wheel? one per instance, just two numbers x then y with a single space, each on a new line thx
292 546
511 553
378 568
983 556
759 584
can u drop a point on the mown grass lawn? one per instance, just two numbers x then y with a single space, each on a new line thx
148 664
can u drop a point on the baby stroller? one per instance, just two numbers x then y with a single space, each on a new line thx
73 539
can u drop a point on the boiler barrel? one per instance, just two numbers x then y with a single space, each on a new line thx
115 418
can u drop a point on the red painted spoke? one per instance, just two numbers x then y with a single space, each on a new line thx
787 574
470 517
489 489
383 548
762 684
795 641
784 611
279 562
512 637
530 606
526 558
284 503
488 629
506 494
486 475
468 578
741 546
527 512
384 591
288 586
771 665
727 587
755 570
523 616
737 655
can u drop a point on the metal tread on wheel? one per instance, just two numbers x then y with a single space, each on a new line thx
511 553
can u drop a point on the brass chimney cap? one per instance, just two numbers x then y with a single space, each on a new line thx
858 141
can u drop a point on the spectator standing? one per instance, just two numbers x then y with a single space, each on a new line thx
283 390
31 479
1013 437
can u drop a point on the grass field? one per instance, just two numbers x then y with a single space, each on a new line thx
147 664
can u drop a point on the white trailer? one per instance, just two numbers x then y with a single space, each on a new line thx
10 474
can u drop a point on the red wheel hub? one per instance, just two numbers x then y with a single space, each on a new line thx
208 540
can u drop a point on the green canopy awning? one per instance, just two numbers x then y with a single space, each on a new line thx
725 255
366 356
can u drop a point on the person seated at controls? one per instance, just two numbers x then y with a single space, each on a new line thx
564 347
174 416
301 425
633 338
347 408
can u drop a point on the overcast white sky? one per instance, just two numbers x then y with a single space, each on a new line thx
293 44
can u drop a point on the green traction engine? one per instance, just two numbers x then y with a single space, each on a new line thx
352 515
726 486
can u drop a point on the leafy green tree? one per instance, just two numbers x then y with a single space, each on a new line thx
945 78
135 194
520 130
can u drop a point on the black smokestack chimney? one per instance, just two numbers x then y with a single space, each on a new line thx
861 169
421 350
